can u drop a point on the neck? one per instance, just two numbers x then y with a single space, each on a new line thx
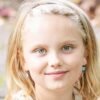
45 94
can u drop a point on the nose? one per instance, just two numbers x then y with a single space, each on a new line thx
54 60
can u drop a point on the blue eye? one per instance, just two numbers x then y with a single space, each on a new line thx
67 48
40 51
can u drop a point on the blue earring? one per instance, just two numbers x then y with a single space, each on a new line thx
83 68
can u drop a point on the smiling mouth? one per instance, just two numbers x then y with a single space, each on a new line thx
56 73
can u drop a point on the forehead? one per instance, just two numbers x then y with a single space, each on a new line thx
49 23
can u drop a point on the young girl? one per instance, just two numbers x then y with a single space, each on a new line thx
52 54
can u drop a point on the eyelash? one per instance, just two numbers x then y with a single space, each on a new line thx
65 49
41 51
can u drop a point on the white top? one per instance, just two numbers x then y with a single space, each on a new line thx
20 95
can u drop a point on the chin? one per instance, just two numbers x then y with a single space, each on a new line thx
56 86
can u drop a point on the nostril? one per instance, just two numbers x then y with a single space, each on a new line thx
54 60
56 65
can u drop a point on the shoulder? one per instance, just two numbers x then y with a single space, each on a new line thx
20 95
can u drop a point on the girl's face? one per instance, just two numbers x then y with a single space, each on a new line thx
53 50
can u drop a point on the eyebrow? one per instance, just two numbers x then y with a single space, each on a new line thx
68 41
63 42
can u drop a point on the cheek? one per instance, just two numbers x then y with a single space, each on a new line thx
34 65
36 68
75 60
76 71
75 75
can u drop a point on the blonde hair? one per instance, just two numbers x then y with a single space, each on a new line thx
88 85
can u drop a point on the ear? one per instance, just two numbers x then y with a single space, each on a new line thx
84 61
85 57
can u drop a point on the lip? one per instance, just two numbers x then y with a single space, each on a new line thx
56 73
